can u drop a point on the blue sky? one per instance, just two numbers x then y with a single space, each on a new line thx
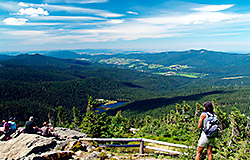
34 25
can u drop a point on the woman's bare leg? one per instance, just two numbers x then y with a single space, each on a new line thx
209 152
198 153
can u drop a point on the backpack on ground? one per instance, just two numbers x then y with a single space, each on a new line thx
211 125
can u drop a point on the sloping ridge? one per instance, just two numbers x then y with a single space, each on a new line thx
40 60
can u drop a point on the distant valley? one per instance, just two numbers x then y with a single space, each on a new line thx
192 63
36 83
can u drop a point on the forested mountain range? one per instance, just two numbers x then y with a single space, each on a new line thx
192 63
36 84
198 63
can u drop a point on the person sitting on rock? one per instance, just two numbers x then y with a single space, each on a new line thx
5 131
2 126
30 126
12 124
6 126
46 130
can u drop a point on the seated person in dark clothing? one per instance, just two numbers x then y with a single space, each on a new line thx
46 130
30 126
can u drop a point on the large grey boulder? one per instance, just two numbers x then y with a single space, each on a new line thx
37 147
53 155
24 145
66 137
67 133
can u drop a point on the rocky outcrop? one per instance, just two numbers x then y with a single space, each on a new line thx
67 145
37 147
24 145
67 133
53 155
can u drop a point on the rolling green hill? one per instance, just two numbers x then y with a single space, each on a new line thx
39 60
192 63
4 57
203 63
36 84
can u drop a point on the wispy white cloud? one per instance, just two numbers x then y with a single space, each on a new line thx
68 18
34 37
33 12
164 26
156 26
131 12
15 21
76 1
72 9
37 8
10 6
23 4
219 34
29 33
69 24
191 19
214 8
108 14
116 21
44 24
127 31
204 21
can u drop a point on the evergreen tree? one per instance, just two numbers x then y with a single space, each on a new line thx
186 108
92 104
178 108
234 140
118 126
61 115
222 117
76 116
198 110
94 125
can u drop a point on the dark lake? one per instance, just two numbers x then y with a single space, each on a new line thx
109 106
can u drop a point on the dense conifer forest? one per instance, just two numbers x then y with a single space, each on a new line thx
165 108
178 126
